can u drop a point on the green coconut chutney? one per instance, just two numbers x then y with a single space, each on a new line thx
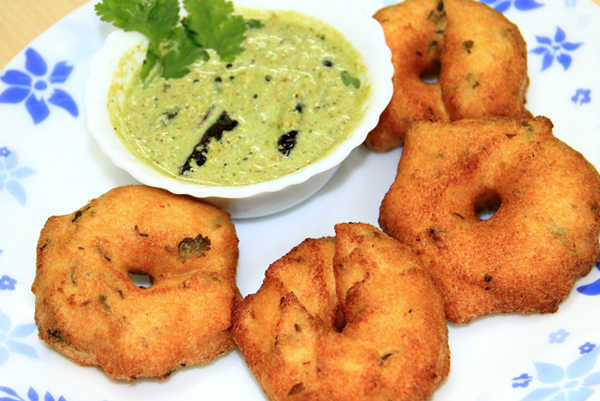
296 92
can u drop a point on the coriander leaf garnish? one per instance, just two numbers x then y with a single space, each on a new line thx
173 44
348 80
215 27
149 65
176 61
154 18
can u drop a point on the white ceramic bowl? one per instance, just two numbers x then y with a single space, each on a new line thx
267 197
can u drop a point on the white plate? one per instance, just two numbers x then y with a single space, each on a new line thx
53 167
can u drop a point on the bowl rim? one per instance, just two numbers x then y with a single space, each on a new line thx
379 75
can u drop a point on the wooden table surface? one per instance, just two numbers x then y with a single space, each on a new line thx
21 21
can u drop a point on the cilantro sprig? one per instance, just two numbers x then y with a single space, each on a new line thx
174 43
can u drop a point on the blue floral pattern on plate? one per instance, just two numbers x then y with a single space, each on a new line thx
557 47
521 381
558 337
11 174
32 86
504 5
8 336
32 395
592 288
570 3
7 283
571 384
582 96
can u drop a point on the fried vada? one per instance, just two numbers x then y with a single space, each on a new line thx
350 317
453 59
542 237
88 308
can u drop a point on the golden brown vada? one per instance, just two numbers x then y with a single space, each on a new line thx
478 56
543 236
88 308
351 317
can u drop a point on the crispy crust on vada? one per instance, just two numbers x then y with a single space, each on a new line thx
479 57
542 238
348 317
88 308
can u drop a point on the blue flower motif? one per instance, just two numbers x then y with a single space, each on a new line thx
559 336
592 288
555 48
570 3
10 175
585 96
572 384
521 5
586 348
7 283
7 342
4 152
31 87
521 381
32 395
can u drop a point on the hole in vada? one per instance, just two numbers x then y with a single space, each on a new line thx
430 75
487 204
141 280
